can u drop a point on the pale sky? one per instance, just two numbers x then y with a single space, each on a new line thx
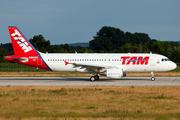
72 21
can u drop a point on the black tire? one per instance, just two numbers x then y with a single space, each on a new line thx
92 78
96 77
153 78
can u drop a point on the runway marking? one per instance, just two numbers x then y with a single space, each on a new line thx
173 80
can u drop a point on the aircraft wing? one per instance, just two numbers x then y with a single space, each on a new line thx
91 67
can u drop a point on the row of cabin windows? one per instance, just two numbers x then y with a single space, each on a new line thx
84 60
89 60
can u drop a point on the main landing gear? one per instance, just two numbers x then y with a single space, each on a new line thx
152 76
95 77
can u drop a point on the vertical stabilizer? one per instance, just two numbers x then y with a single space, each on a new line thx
21 44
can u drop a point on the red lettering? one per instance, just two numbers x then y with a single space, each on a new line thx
142 60
133 60
124 60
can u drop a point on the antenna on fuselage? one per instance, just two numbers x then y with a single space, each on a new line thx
150 52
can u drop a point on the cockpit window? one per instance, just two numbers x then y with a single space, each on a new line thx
165 59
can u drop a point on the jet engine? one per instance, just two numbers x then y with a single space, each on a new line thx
113 73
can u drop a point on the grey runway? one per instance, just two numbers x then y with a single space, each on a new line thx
85 81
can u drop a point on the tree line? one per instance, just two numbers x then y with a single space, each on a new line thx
107 40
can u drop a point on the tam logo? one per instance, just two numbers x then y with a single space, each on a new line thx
135 60
21 41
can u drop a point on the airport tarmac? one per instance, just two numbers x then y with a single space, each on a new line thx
85 81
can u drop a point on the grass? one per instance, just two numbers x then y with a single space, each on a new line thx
75 74
14 67
148 102
44 74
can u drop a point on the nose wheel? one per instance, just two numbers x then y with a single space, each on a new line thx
93 78
152 76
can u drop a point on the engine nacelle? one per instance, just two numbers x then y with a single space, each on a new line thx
113 73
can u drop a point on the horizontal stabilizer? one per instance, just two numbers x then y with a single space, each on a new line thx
11 58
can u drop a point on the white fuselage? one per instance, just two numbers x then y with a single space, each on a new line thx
126 61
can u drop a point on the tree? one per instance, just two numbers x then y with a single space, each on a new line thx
84 50
66 47
160 47
40 43
107 39
3 52
126 47
174 54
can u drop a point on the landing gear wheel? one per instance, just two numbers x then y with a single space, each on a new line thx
153 78
96 77
92 78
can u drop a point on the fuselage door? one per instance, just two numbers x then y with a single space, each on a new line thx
39 61
152 60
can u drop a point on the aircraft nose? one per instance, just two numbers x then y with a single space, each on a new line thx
173 66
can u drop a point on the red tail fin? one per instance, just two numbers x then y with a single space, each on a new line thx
20 43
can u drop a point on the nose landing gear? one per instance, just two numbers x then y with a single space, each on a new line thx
152 76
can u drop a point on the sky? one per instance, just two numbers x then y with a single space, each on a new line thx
75 21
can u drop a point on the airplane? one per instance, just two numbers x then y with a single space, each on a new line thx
111 65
